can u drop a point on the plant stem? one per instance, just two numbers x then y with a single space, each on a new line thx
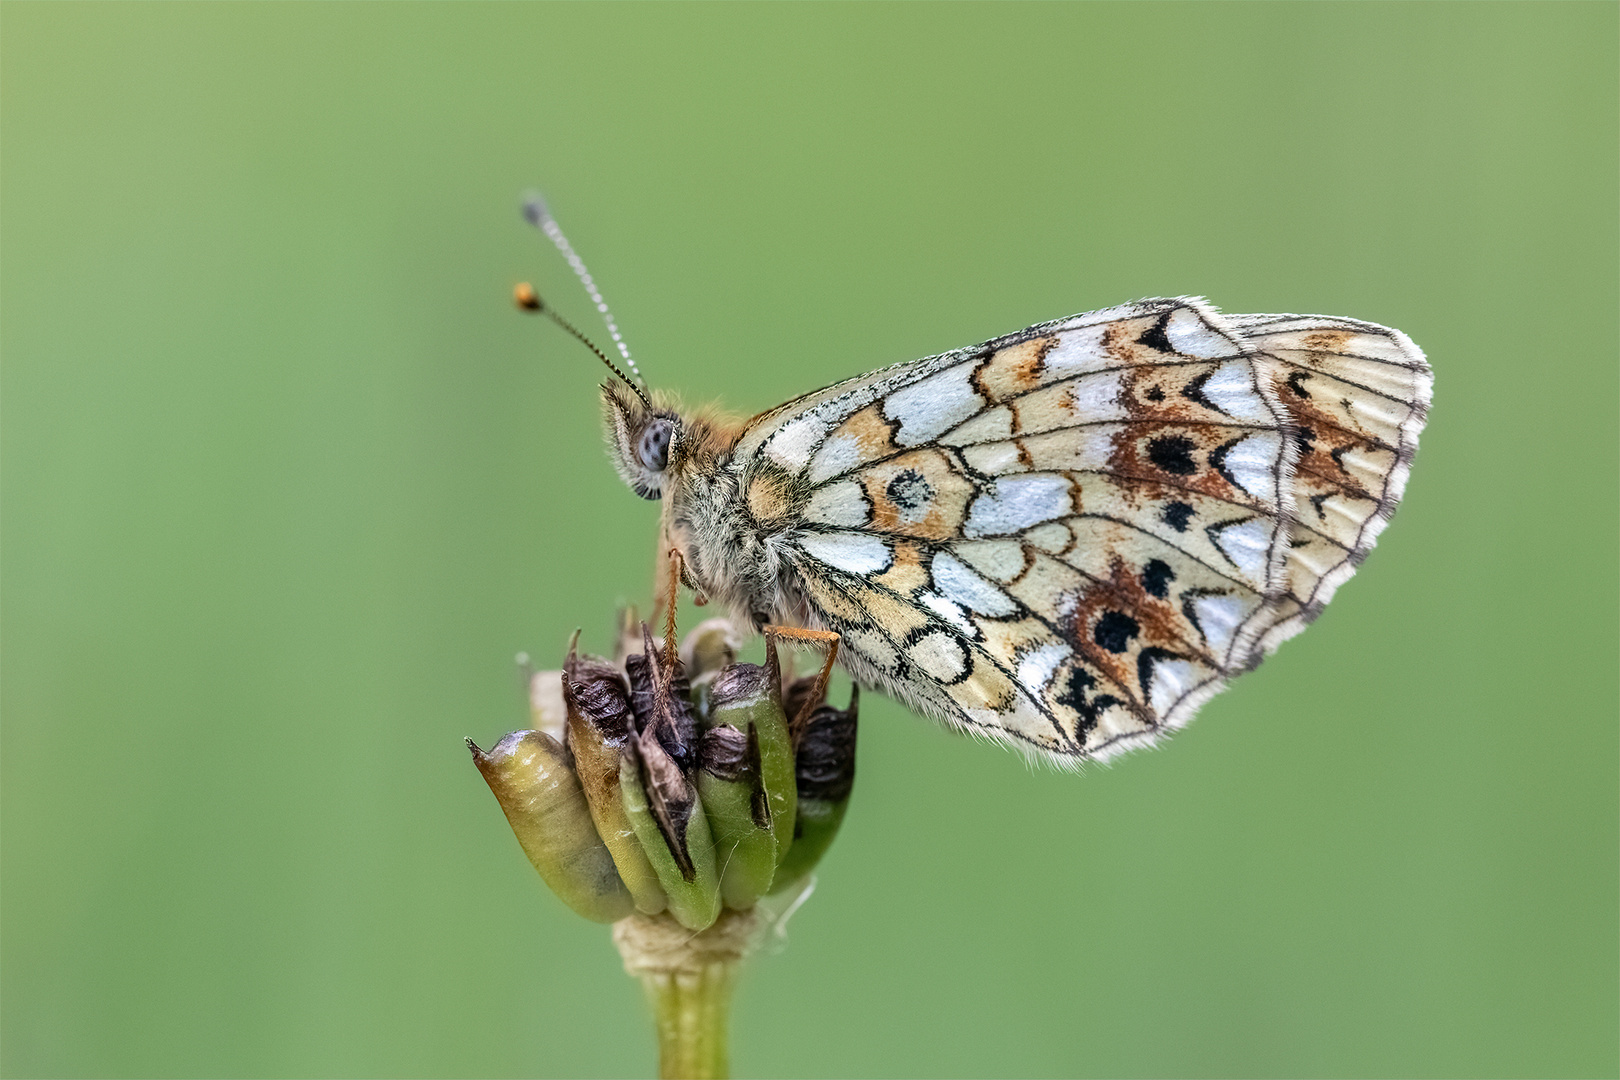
688 979
690 1011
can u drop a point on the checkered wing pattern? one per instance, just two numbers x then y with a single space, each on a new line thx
1070 537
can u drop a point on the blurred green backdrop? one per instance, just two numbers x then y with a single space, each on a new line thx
287 483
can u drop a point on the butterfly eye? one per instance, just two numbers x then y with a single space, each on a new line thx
653 448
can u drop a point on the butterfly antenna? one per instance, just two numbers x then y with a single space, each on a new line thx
529 300
538 214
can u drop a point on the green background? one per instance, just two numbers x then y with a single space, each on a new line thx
287 483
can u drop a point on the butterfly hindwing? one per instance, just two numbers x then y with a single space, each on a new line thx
1358 395
1069 537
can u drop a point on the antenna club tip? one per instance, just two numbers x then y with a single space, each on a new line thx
534 208
524 296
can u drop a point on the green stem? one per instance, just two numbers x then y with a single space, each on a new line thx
688 979
690 1011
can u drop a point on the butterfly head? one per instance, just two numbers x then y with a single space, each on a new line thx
644 440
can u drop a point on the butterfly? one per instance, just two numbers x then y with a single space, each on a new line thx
1067 538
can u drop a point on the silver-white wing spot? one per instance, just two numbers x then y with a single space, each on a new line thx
930 407
853 553
1015 503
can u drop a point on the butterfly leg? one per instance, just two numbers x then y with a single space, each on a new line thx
669 621
798 634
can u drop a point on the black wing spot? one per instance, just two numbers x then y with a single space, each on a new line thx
1214 533
1305 439
1156 578
1176 515
1154 337
1296 383
1217 459
1153 393
909 491
1189 599
1173 454
1077 697
1194 392
1144 666
1114 631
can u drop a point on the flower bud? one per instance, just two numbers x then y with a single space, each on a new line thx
528 772
675 835
748 695
710 646
825 769
670 795
600 729
668 816
739 813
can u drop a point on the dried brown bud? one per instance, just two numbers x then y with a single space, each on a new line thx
826 758
825 771
659 698
743 681
723 753
597 690
643 689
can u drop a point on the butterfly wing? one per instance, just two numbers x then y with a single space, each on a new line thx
1068 538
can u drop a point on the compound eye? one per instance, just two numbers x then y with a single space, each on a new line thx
653 449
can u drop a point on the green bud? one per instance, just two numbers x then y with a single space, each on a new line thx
675 835
747 695
739 813
530 775
600 729
826 776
